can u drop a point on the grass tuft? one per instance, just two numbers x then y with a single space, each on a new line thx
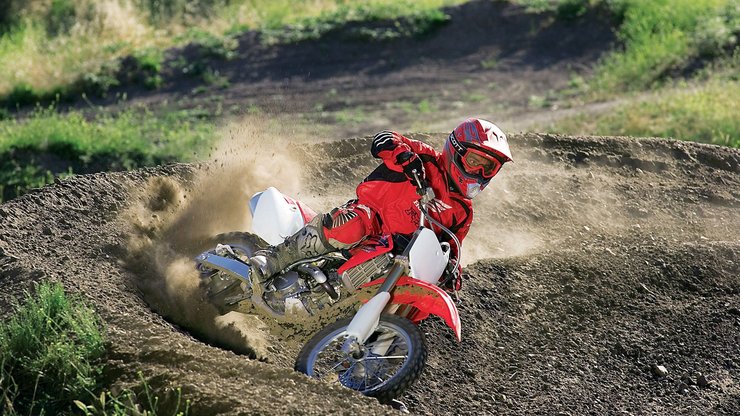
48 353
51 354
143 400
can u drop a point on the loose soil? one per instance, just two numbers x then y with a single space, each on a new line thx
593 260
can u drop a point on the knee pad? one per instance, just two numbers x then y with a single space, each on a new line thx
344 227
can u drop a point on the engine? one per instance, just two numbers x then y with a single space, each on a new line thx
286 292
292 292
365 272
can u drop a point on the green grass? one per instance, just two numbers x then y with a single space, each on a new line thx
49 352
684 51
350 115
705 113
662 38
412 18
51 363
50 144
45 57
143 400
65 47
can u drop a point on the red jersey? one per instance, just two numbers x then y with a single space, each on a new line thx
388 192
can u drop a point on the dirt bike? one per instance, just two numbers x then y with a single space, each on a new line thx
380 351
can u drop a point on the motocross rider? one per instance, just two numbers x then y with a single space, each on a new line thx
387 200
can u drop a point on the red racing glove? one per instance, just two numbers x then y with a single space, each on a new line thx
410 163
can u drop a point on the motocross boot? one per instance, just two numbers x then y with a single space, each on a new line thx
307 242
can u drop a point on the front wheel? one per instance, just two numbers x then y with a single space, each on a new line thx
388 363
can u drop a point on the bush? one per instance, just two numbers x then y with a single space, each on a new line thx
572 9
9 14
22 94
95 83
49 352
61 17
215 47
718 33
142 67
17 178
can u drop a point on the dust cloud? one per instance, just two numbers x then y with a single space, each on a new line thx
528 208
531 207
173 220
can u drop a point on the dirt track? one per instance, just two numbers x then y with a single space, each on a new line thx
592 260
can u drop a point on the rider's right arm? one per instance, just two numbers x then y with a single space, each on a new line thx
387 145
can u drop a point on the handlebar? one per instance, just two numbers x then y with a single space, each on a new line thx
420 185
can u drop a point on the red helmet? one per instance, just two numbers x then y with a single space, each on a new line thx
473 154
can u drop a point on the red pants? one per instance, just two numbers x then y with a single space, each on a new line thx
346 226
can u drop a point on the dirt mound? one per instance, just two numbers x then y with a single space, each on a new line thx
592 261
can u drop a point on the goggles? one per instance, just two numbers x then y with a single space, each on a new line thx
481 164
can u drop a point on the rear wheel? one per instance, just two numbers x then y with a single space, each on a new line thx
221 289
388 363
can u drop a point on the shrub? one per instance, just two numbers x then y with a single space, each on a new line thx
717 33
572 9
143 67
22 94
61 16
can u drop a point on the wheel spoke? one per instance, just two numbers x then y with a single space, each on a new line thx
330 370
385 357
365 377
346 377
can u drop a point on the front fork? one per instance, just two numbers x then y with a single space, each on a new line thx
367 318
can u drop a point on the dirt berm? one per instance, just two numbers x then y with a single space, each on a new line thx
593 261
